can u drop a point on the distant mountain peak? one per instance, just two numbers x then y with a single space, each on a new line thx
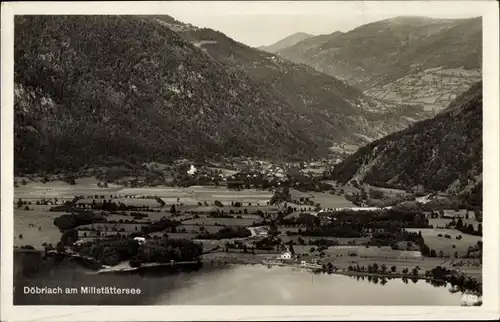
286 42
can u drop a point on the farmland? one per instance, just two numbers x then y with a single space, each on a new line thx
447 245
223 221
327 200
36 227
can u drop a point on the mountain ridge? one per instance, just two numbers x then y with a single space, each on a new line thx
286 42
384 57
114 93
443 153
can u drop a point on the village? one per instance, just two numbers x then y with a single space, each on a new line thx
249 212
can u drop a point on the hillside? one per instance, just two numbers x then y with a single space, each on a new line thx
91 87
286 42
415 60
442 153
338 109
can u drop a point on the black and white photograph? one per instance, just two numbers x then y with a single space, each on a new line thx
250 154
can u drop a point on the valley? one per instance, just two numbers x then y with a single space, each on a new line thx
353 154
412 60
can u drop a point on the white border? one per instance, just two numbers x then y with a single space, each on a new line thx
490 308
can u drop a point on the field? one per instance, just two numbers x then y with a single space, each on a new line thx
138 202
446 245
387 191
43 229
195 194
340 240
225 221
442 222
327 200
196 228
62 190
372 251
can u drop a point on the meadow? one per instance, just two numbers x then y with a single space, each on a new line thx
327 200
445 245
230 222
36 227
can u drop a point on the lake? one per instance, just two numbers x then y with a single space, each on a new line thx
233 285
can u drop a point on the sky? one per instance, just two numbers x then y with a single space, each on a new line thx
266 22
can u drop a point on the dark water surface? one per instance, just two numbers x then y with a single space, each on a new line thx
233 285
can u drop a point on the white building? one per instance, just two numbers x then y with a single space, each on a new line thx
286 255
140 240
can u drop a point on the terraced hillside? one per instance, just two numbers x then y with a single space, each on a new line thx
410 60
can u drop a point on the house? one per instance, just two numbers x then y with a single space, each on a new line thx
307 259
286 255
140 240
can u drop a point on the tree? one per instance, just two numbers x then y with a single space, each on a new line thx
19 203
383 269
172 209
60 247
20 236
393 268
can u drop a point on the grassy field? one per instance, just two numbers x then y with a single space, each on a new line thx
340 240
327 200
372 251
62 190
138 202
196 229
446 245
43 229
442 222
194 194
224 221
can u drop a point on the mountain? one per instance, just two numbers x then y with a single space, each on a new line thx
443 153
88 88
286 42
414 60
341 113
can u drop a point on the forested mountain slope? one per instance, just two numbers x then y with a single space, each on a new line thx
89 87
441 154
340 112
138 88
